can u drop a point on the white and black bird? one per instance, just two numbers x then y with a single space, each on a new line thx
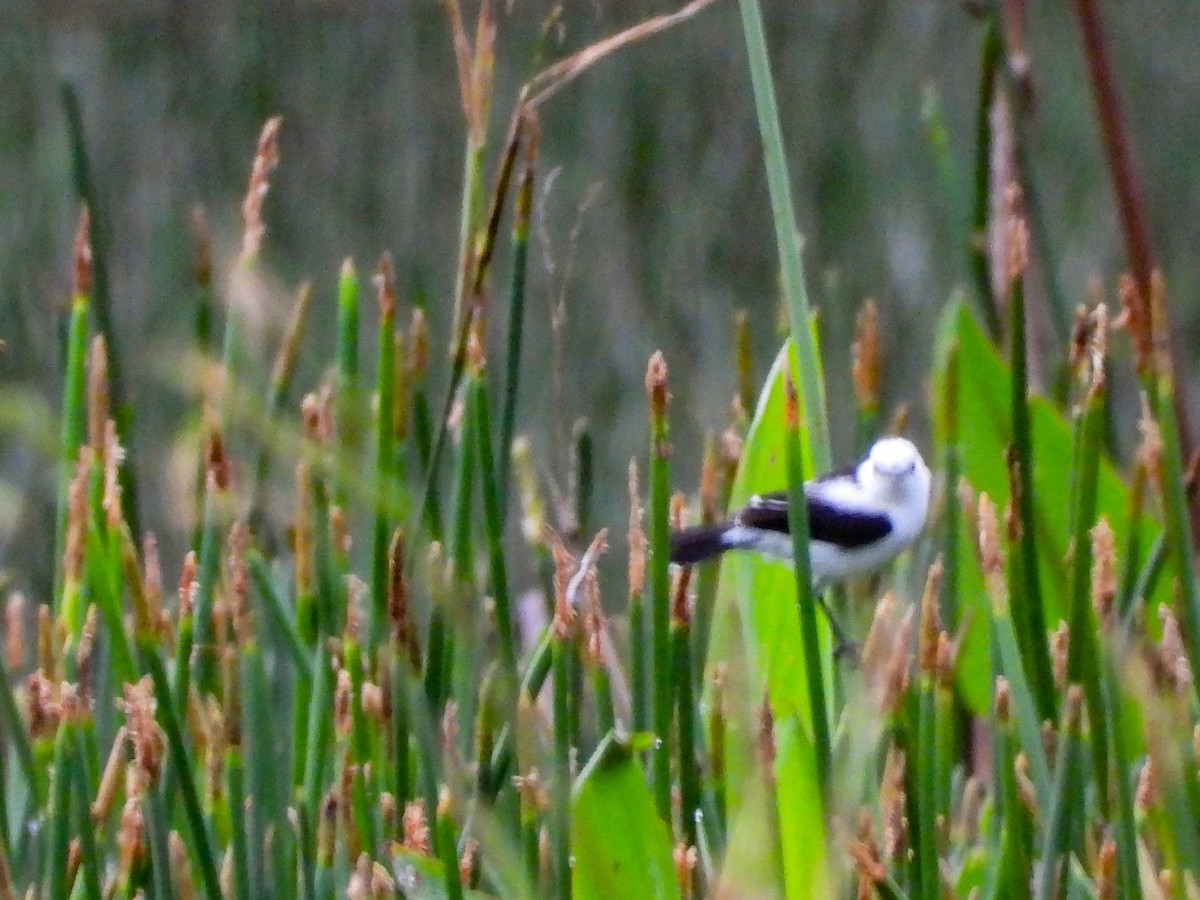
859 518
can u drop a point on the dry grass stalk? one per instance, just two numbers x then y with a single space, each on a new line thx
551 80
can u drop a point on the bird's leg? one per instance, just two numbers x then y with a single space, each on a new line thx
843 647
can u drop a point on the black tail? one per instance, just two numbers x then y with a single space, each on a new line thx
695 545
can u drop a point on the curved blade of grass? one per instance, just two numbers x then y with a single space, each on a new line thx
787 239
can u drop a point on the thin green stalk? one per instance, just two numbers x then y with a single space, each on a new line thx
787 238
17 734
1126 822
57 875
560 831
1065 803
1083 652
1031 618
346 401
537 669
977 245
157 836
688 744
431 511
385 448
583 476
660 588
638 676
447 848
272 605
516 318
1178 523
716 751
199 637
809 634
319 731
98 239
927 782
1133 544
494 525
268 855
234 774
282 376
73 417
203 849
366 784
401 760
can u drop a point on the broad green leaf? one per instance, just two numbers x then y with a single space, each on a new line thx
621 846
756 631
985 430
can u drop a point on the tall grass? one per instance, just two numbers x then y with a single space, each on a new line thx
308 721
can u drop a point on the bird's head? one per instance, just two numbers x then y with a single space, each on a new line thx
895 469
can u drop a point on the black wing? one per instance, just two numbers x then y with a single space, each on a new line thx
849 529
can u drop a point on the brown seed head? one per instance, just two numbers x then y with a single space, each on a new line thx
1104 572
892 803
685 858
1148 793
144 734
1018 236
1025 792
1002 701
637 537
1173 656
14 631
1150 450
399 611
97 395
931 623
947 661
418 336
84 653
218 467
896 674
1060 643
791 401
385 286
77 517
266 158
766 739
187 584
989 548
881 638
680 606
47 646
239 582
82 256
656 385
416 828
202 256
564 568
341 703
866 861
867 367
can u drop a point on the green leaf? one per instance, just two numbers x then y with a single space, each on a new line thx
621 846
985 430
756 632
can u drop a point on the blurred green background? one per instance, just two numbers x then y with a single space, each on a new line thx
653 224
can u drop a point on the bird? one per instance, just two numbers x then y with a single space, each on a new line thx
859 518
